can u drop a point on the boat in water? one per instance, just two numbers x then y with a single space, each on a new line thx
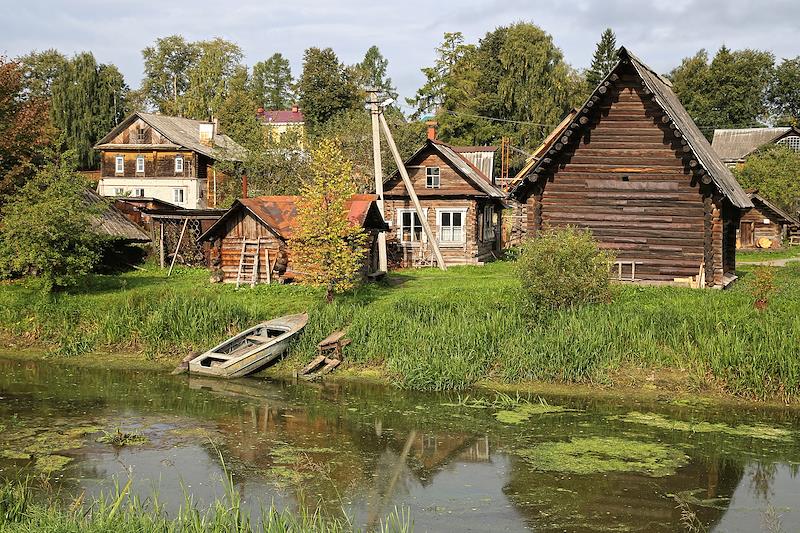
249 351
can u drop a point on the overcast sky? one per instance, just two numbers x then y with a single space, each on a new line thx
660 32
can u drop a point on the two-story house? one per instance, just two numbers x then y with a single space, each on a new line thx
166 158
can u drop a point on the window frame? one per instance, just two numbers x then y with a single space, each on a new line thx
140 158
136 191
429 178
399 212
175 192
440 227
179 163
119 191
119 164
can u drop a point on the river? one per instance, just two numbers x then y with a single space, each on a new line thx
456 463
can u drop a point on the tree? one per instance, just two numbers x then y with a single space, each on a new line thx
46 230
166 72
326 246
773 171
40 70
271 84
431 95
326 87
784 92
25 129
604 59
237 113
371 73
209 78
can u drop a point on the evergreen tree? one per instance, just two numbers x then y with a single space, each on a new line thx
371 73
209 78
326 87
604 59
271 85
431 95
166 72
784 92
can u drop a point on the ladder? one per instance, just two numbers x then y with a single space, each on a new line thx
249 258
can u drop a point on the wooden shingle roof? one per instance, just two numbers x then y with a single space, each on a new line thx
112 222
736 144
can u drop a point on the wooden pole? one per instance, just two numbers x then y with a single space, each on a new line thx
410 188
161 250
180 240
383 263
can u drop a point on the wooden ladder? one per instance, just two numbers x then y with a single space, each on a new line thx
249 258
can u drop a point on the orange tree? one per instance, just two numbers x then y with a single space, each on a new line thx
327 248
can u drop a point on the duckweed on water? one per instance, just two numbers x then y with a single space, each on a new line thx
17 456
526 410
121 438
597 455
48 464
661 422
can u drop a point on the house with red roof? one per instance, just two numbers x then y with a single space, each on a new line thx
280 122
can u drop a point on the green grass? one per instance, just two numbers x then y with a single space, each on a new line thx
432 330
788 252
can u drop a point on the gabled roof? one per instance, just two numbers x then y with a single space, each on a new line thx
282 116
663 96
464 167
110 221
542 149
279 213
736 144
183 133
773 211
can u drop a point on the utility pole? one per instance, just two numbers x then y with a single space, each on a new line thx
401 167
375 110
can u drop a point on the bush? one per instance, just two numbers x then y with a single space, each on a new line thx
563 268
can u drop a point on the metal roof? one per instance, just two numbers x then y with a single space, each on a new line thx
110 221
282 116
183 132
733 145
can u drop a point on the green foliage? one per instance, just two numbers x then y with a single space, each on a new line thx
326 246
431 95
326 87
772 170
784 92
763 286
210 78
371 73
41 69
604 59
237 115
563 268
272 85
46 229
166 72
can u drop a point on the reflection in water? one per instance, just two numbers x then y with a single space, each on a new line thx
364 450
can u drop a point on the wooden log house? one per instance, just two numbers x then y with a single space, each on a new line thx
258 231
633 168
462 205
765 221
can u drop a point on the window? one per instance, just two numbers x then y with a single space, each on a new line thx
140 164
432 180
179 163
409 226
451 225
792 142
119 191
139 136
138 192
178 196
119 165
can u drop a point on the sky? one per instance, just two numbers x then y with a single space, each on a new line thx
660 32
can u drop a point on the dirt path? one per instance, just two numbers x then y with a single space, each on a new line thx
774 262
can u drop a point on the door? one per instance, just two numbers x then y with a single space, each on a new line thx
746 234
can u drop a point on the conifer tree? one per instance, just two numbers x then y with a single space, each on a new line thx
605 57
326 87
271 85
371 73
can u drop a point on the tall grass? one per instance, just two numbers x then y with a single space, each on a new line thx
433 331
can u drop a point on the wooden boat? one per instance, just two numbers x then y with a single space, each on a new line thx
250 350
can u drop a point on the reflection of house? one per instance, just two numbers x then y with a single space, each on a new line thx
733 146
281 122
270 222
632 167
765 221
166 158
461 204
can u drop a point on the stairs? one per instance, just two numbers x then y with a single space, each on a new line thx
248 262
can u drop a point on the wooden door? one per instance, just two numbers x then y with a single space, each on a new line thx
746 234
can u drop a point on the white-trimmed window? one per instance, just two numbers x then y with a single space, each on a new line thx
119 165
451 223
432 178
179 163
138 192
119 191
179 195
140 164
409 226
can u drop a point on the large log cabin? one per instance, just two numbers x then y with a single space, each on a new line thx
166 158
462 206
632 167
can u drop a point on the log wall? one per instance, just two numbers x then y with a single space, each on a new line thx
755 218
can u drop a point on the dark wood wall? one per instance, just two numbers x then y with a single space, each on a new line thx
756 229
629 182
243 225
157 164
452 183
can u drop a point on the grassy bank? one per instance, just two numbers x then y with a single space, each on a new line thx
789 252
427 329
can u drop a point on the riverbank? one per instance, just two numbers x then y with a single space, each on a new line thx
430 330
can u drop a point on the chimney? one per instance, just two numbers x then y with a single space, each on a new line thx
432 125
215 121
295 108
206 133
244 186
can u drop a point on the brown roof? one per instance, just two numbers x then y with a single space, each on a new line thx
279 213
543 148
736 144
183 132
772 211
112 222
661 89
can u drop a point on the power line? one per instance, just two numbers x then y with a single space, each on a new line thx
456 114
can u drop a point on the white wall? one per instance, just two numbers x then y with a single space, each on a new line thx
194 190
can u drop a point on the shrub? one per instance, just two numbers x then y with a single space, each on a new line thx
563 268
762 286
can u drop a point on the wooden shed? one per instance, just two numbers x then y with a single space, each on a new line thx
255 233
632 167
765 221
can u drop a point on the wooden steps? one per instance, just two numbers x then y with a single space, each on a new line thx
329 356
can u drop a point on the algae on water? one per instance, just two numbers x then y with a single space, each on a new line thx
662 422
48 464
597 455
11 454
524 411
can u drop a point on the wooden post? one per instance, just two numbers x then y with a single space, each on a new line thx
269 266
161 251
410 188
383 263
180 240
